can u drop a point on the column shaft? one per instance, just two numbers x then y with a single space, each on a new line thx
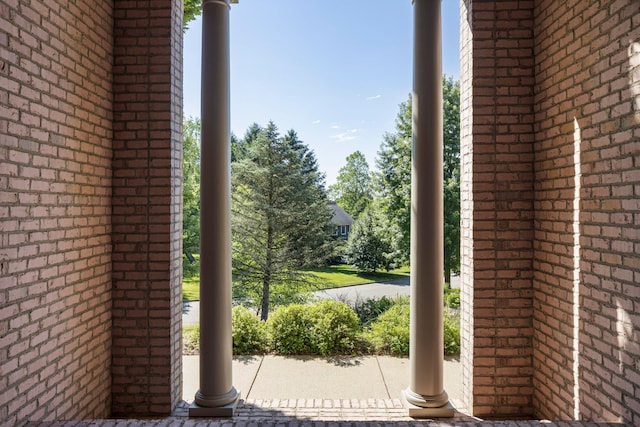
425 395
216 396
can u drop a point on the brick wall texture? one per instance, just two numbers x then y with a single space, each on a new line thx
552 177
90 215
147 198
497 196
55 209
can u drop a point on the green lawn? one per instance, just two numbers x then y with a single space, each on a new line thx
191 288
334 276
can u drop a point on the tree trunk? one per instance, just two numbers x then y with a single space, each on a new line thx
266 276
264 312
447 277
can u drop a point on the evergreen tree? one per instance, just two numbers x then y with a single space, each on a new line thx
281 219
352 190
367 249
240 148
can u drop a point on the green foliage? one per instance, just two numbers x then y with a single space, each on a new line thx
352 190
451 177
191 339
389 333
370 309
290 329
451 333
366 249
192 8
452 298
190 267
335 327
281 220
249 333
327 328
191 187
392 182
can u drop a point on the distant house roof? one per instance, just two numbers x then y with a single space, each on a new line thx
340 217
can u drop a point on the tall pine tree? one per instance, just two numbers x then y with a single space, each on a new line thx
281 219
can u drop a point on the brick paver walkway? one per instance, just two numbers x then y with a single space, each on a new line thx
315 413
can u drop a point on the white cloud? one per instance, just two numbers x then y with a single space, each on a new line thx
349 135
371 98
335 126
315 122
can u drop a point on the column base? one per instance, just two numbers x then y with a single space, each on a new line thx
225 411
445 411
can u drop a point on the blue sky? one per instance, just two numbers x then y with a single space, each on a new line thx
334 71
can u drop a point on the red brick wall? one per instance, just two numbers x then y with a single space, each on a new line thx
585 103
147 217
497 196
579 255
55 205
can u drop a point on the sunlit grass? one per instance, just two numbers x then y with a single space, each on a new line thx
191 288
334 276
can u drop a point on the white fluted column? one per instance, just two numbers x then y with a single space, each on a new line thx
216 396
425 396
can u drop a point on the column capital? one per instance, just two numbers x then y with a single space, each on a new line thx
226 3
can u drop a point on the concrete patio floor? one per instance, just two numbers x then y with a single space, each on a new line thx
307 377
320 392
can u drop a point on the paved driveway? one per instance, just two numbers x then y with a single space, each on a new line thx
391 289
351 294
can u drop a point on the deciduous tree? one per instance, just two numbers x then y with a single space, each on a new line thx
393 182
192 8
190 192
191 185
393 178
451 176
352 190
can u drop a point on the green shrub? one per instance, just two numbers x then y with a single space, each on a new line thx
249 333
369 309
389 333
451 333
191 339
335 327
290 330
452 298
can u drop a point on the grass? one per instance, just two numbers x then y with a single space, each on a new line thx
334 276
337 276
191 288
